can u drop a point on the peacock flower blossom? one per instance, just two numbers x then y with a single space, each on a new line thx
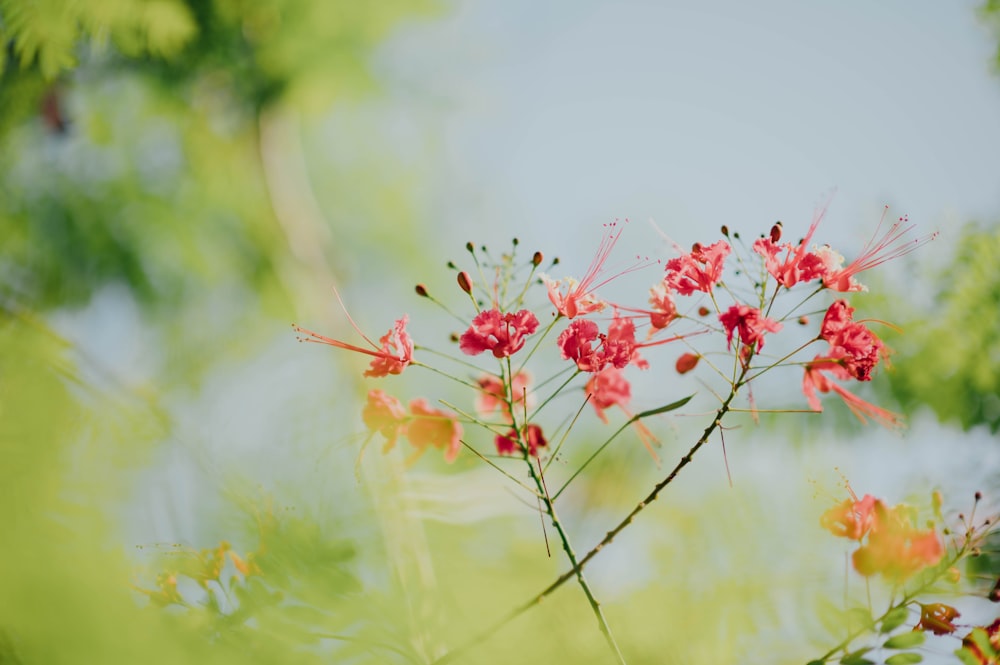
700 270
617 347
876 251
937 618
851 519
384 414
852 345
579 298
750 323
895 548
433 427
502 334
392 354
798 264
664 309
814 380
493 395
533 439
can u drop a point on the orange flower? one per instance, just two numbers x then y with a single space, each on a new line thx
434 427
895 548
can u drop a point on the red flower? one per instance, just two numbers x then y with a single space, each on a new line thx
936 617
384 414
433 427
814 380
798 264
751 324
579 298
698 271
617 347
533 439
392 355
852 345
503 334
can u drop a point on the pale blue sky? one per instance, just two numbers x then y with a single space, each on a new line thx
557 116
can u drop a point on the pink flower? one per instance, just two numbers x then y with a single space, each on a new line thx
434 427
579 298
391 356
533 439
493 395
751 325
503 334
617 347
607 388
814 380
856 348
875 252
384 414
798 264
576 344
698 271
664 309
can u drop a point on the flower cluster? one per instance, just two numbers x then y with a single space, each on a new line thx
890 543
601 337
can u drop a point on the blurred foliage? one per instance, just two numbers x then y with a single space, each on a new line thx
951 361
131 135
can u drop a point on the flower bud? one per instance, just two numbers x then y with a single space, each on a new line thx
776 232
687 362
421 290
803 320
725 230
536 259
470 247
465 282
703 311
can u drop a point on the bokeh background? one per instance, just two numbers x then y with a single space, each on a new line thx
180 180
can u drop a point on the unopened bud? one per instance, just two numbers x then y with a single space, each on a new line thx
979 496
776 232
465 282
687 362
695 248
453 337
536 259
515 241
470 247
953 575
803 320
421 290
555 261
703 311
725 230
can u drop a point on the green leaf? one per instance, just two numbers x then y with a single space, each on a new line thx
905 641
663 409
904 659
857 657
894 619
816 662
